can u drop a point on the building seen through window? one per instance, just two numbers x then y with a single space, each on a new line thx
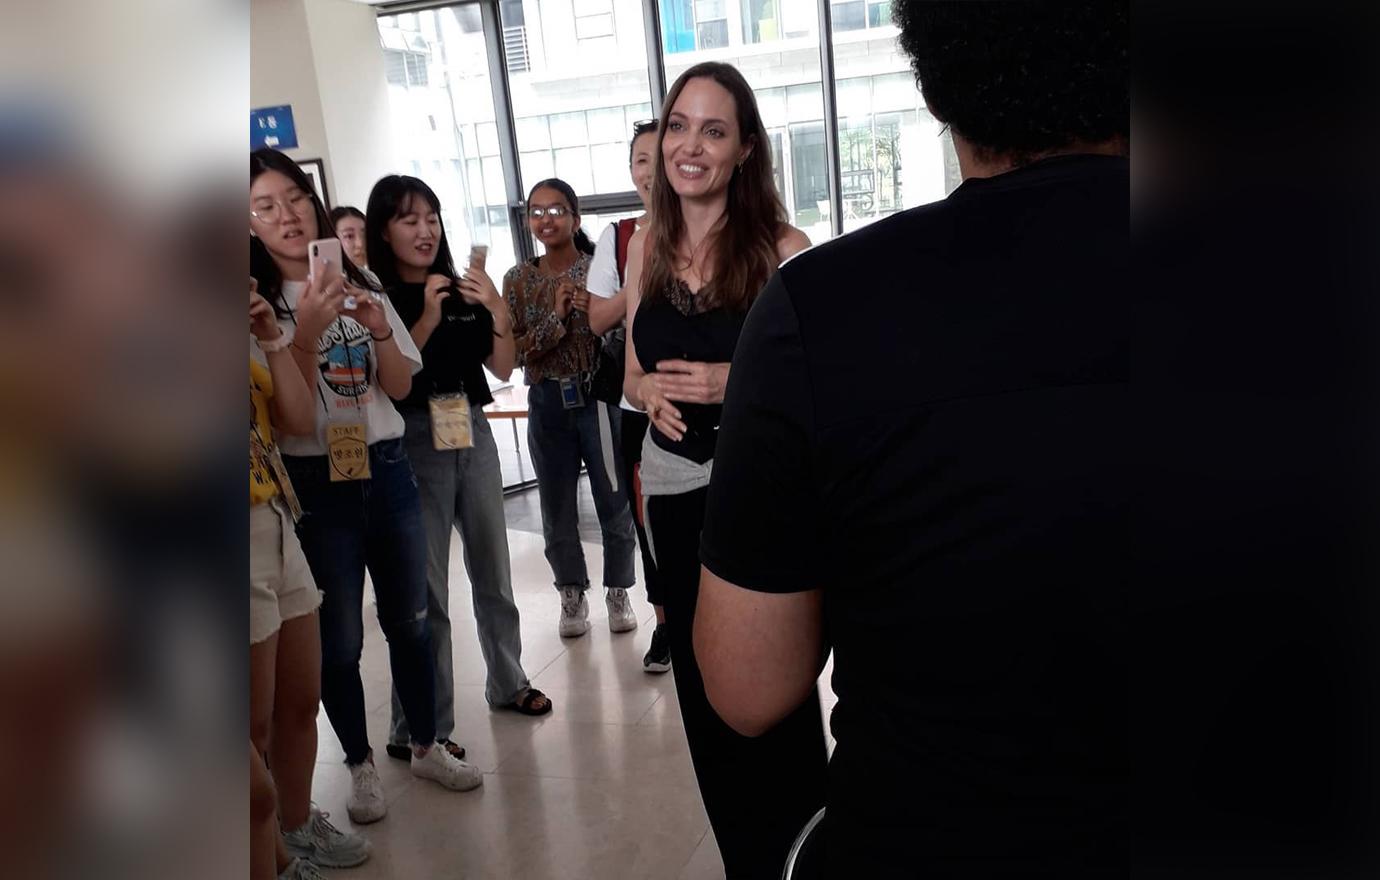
577 73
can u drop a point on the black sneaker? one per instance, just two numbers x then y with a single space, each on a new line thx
658 657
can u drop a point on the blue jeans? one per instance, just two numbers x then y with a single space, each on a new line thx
560 439
346 528
463 489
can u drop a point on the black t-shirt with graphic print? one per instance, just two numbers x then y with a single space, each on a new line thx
926 419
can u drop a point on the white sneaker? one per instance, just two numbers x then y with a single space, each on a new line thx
574 612
441 766
301 869
323 844
366 803
621 616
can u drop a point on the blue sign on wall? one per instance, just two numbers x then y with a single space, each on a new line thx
272 127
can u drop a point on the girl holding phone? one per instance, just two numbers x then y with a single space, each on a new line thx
461 326
358 494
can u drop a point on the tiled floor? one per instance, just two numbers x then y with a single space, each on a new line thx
601 788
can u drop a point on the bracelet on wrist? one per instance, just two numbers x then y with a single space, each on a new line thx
382 338
273 346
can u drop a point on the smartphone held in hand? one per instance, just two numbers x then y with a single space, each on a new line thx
479 253
324 262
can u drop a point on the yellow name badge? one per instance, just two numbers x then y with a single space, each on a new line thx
450 422
348 452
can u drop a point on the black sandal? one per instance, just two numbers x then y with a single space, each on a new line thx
404 753
524 706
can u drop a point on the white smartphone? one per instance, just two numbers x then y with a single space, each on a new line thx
324 260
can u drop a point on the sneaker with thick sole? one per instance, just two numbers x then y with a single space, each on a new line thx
621 616
366 803
658 656
442 767
301 869
323 844
404 752
574 612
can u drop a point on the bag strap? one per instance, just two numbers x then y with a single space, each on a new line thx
625 230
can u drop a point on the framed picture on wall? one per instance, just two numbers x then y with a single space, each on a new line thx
316 170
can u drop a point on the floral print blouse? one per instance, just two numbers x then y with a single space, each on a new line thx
548 348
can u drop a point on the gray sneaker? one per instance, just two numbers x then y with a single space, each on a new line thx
301 869
621 616
326 845
574 612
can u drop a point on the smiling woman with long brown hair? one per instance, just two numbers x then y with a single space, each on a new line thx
718 231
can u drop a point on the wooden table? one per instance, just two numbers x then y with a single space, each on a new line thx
511 403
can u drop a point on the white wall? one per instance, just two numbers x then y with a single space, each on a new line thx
354 96
282 71
323 57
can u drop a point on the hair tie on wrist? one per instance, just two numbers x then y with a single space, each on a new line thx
382 338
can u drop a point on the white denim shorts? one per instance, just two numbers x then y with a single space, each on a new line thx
280 583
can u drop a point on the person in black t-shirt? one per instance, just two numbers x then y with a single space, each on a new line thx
461 325
957 532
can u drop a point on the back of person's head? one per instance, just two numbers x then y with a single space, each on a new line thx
393 198
583 243
1020 78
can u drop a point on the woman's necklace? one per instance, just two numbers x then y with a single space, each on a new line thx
689 266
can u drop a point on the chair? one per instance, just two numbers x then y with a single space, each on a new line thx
805 860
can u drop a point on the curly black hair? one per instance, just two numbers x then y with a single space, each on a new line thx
1017 78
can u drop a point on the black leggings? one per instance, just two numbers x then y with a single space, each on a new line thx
759 792
634 429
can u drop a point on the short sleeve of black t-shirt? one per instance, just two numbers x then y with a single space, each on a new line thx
763 506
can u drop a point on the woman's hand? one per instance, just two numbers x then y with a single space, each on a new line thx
478 289
263 323
368 311
660 411
580 300
564 299
432 297
692 381
318 306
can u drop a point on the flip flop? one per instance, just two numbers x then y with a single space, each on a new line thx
524 705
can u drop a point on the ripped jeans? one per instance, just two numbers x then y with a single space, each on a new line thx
346 528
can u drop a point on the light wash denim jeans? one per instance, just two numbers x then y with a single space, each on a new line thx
560 439
463 490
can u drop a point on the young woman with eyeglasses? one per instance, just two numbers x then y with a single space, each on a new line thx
558 351
461 325
351 474
606 316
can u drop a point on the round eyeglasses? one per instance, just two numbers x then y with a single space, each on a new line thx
556 211
272 209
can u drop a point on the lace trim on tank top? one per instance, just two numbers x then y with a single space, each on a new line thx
685 300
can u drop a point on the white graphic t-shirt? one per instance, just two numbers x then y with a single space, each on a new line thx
347 385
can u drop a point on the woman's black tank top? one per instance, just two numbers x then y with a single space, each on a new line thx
672 326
